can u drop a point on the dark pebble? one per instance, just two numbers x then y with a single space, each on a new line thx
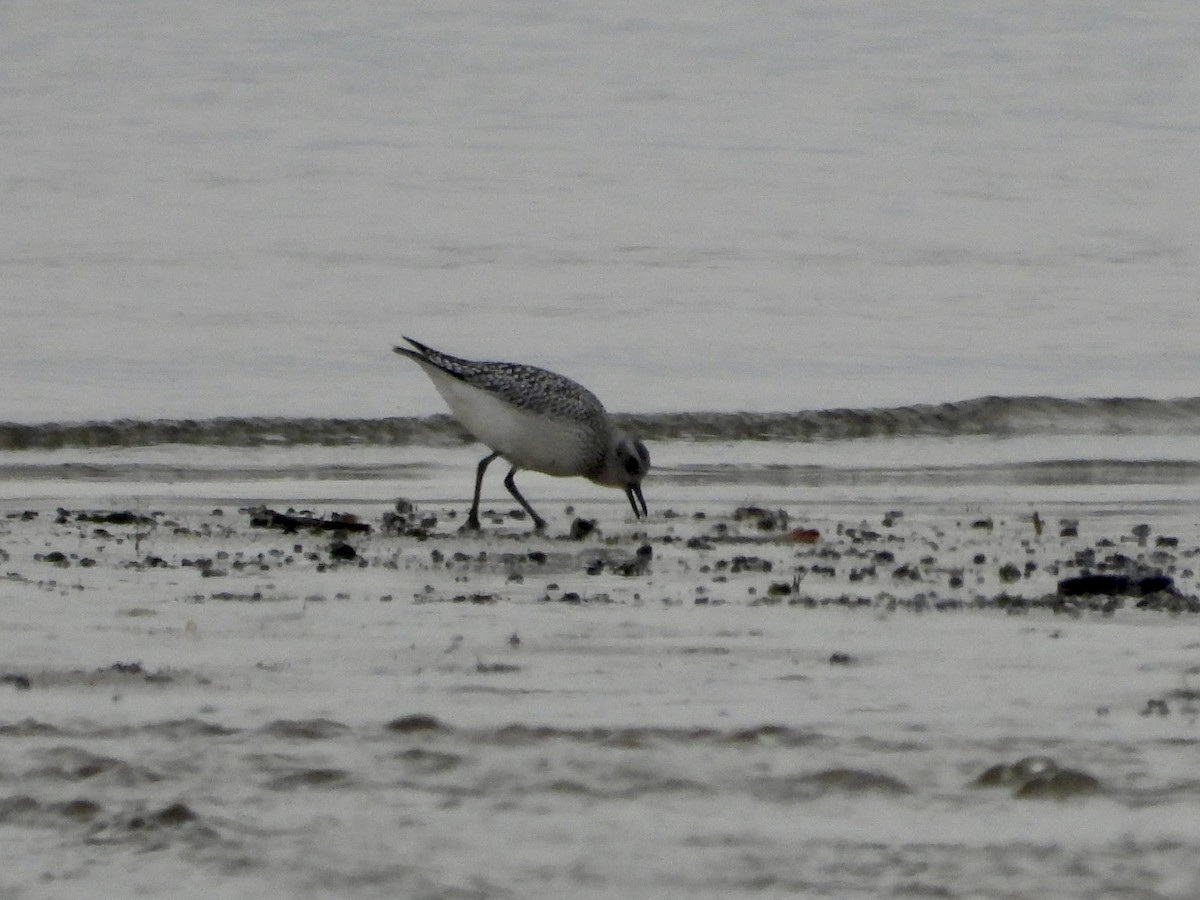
582 528
343 551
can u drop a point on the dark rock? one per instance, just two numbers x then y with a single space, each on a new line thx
582 528
1009 573
343 551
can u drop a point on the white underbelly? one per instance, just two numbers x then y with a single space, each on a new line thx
528 441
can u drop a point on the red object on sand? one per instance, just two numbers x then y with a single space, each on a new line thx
803 536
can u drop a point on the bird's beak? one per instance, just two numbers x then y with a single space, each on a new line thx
634 493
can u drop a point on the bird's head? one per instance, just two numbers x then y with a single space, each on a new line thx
625 465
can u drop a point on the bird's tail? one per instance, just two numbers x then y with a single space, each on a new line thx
421 353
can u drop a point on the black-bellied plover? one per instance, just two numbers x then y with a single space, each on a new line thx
536 420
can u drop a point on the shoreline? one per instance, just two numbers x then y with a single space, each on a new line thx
175 679
984 416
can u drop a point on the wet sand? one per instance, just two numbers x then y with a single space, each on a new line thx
719 702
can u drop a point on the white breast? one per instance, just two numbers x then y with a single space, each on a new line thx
527 440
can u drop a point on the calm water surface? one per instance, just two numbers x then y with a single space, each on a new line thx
237 209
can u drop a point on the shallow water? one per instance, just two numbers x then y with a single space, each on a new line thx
238 210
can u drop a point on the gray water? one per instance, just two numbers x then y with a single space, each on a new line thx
237 208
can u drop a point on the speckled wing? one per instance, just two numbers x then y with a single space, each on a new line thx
528 388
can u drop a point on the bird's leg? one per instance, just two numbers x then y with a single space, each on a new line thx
472 523
538 522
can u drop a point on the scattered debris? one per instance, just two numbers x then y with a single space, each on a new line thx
764 519
290 523
1116 585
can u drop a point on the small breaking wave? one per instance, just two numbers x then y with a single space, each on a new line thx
980 417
